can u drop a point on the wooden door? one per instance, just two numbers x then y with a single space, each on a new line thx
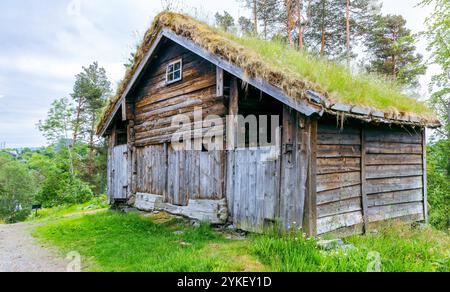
118 173
253 187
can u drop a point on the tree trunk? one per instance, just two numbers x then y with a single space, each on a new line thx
300 28
77 123
348 33
289 21
322 49
255 17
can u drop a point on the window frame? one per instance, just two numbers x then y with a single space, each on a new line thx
173 63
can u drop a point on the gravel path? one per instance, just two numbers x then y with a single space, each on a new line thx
20 252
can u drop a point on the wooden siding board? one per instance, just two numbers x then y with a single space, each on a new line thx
385 185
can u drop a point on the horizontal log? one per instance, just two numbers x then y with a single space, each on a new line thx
332 223
383 135
331 151
213 105
392 198
386 185
389 159
338 194
394 211
172 129
388 171
337 165
202 94
333 129
197 134
182 88
339 207
327 182
216 109
338 139
393 148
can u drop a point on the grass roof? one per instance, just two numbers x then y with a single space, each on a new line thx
284 67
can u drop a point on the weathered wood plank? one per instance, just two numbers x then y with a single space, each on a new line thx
405 159
395 211
388 171
328 182
400 197
337 165
338 139
339 207
393 148
394 184
344 193
424 176
382 135
327 224
338 151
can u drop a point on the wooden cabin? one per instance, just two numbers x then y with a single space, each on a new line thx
332 167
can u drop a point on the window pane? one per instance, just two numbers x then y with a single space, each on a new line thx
177 66
170 69
177 75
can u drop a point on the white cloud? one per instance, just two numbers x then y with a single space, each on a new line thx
2 96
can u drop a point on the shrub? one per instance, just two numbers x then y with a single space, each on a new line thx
439 184
17 190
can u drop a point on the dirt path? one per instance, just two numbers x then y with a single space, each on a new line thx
20 252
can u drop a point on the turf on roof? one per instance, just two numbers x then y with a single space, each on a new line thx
284 67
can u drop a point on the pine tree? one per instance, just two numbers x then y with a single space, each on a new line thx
91 90
245 26
225 21
392 47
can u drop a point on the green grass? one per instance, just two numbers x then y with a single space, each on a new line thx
400 248
129 242
70 210
111 241
363 89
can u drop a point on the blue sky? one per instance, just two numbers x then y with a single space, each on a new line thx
44 44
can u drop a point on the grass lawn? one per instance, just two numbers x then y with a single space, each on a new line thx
112 241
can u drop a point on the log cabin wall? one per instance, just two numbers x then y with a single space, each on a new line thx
394 172
367 174
177 176
339 199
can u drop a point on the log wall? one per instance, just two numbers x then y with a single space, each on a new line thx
339 200
368 174
157 103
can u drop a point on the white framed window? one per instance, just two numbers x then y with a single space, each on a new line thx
174 72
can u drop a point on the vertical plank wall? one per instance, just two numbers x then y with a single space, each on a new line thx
368 174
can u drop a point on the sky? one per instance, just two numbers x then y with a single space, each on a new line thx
44 44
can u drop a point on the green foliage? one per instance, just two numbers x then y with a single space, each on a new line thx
439 44
58 123
17 189
225 21
58 186
392 47
245 26
439 184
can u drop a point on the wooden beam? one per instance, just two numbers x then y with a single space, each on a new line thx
425 182
301 106
219 82
233 111
310 218
124 110
364 198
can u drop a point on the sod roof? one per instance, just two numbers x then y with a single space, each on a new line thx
297 74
